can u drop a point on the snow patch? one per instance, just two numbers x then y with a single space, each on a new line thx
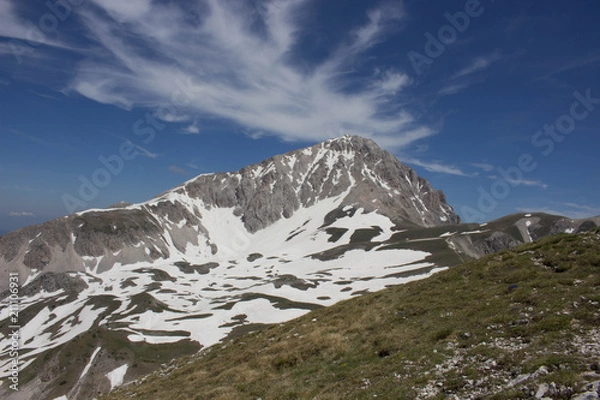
89 364
34 274
117 376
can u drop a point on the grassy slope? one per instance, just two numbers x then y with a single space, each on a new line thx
472 329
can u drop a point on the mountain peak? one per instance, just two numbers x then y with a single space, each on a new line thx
351 167
351 142
349 139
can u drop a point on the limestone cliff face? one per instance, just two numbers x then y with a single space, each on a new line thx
277 187
367 176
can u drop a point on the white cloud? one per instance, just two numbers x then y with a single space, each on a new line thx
468 76
582 62
484 166
177 170
40 141
478 64
208 59
421 148
10 25
392 82
191 129
453 89
124 11
527 182
521 182
171 117
20 188
193 165
435 166
20 214
145 152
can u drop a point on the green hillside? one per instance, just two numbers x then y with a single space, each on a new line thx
508 326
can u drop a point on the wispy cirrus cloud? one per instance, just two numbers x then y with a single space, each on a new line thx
478 64
435 166
529 182
470 75
521 182
43 142
143 151
486 167
177 170
234 61
20 188
581 62
192 129
21 214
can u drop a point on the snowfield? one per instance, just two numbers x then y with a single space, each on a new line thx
267 277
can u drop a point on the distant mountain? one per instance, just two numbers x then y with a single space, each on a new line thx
109 295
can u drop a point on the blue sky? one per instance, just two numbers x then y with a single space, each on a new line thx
495 102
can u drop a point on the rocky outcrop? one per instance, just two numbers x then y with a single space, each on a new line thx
563 225
50 282
496 242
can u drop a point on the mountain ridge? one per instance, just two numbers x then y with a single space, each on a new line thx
260 194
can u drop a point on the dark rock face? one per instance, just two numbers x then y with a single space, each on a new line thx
353 167
496 242
564 225
51 282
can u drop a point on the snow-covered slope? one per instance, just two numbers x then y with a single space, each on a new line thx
255 278
214 256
